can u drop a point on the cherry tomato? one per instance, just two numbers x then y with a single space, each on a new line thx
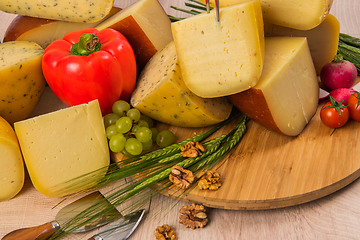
354 106
334 114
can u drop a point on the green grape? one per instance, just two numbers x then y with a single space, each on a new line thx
135 128
124 124
120 108
133 146
117 142
143 134
147 145
110 119
126 153
111 131
155 132
143 123
134 114
149 120
165 138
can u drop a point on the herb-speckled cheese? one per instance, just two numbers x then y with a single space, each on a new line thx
162 95
63 145
221 58
71 10
21 79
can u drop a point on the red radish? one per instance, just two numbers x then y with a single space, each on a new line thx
342 94
338 74
323 94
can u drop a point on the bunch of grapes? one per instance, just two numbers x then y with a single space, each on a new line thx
131 132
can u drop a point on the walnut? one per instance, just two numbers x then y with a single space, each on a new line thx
194 216
182 178
192 149
210 180
165 232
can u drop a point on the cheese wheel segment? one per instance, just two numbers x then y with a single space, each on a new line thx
12 172
145 25
299 14
323 40
21 79
286 96
62 145
221 58
162 95
72 11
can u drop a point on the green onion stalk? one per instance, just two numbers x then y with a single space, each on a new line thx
149 173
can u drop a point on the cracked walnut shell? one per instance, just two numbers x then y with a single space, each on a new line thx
194 216
210 180
182 178
165 232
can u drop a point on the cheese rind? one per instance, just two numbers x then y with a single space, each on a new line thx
299 14
323 40
219 59
72 11
44 31
21 79
162 95
145 25
62 145
286 96
12 172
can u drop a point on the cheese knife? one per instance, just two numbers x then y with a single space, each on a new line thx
122 228
46 230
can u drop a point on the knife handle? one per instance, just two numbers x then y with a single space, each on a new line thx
41 232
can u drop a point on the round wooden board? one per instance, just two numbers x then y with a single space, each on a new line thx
269 170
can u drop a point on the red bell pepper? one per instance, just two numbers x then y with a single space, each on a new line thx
90 64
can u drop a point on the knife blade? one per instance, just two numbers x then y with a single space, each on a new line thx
46 230
122 228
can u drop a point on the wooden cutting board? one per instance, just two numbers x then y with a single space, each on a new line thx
269 170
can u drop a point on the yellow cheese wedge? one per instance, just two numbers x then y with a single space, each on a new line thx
21 79
299 14
63 145
162 95
145 25
323 39
286 96
12 172
44 31
221 58
72 11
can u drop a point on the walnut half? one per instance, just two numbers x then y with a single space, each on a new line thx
210 180
192 149
194 216
165 232
182 178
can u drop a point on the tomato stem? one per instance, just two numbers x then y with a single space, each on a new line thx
335 104
88 43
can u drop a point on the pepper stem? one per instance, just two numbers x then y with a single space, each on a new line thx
87 44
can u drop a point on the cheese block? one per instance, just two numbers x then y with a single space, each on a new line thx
323 39
12 172
44 31
299 14
145 25
221 58
162 95
22 81
72 11
286 96
63 145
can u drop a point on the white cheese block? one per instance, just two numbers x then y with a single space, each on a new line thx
72 11
286 96
162 95
221 58
63 145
